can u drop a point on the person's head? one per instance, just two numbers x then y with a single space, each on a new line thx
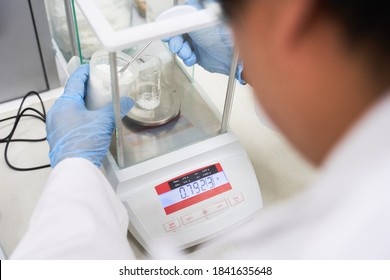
315 65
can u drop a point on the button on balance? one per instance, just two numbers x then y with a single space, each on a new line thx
172 225
192 217
216 207
236 199
188 219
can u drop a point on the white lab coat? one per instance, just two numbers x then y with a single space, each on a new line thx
78 216
345 215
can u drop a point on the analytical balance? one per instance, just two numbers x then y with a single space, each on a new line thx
189 179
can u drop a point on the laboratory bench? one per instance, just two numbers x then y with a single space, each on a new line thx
280 171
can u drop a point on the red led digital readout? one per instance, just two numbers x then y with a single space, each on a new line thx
196 199
207 182
164 187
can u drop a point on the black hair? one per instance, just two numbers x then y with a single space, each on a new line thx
362 20
230 7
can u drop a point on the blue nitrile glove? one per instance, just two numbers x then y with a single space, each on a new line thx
212 48
73 130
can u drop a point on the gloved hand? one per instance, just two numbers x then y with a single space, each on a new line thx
73 130
212 48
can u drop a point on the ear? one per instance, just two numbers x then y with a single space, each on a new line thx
297 16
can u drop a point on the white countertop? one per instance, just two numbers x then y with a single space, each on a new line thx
280 171
19 191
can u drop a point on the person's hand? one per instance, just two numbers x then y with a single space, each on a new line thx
73 130
212 48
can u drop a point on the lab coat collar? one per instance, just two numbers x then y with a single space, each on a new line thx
368 141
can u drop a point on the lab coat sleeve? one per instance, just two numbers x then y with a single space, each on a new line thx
78 216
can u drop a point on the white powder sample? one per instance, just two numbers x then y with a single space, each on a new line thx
105 68
99 86
146 102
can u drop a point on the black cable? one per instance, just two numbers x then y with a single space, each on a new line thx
19 115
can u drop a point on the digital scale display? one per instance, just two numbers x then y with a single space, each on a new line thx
192 188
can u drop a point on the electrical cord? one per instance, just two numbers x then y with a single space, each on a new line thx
26 112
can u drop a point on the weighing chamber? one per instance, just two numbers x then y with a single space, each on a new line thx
187 178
